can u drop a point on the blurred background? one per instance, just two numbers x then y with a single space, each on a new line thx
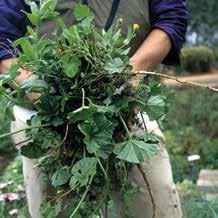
191 127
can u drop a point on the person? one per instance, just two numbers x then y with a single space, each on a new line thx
161 33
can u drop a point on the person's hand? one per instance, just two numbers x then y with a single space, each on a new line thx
135 68
5 65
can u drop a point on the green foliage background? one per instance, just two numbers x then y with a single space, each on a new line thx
197 59
191 128
204 20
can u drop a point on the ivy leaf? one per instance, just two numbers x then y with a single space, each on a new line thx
61 176
82 171
135 151
156 107
32 151
98 135
115 65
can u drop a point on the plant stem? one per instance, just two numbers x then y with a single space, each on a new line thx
125 126
140 168
9 98
21 142
143 120
21 130
83 198
193 84
104 172
83 101
137 100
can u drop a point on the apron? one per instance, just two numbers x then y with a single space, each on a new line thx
107 12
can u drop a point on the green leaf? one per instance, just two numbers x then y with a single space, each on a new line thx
61 176
148 137
82 11
34 18
82 113
115 66
32 151
48 5
71 65
32 4
27 48
49 210
106 37
156 106
122 102
82 171
34 121
129 36
98 135
9 113
135 151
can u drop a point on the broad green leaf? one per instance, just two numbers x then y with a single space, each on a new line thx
71 34
115 66
34 18
82 171
71 65
32 151
135 151
48 5
27 48
34 121
9 113
98 135
106 37
121 102
150 138
156 106
61 176
50 210
82 12
43 44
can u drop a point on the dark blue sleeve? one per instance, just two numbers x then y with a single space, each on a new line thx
170 16
13 24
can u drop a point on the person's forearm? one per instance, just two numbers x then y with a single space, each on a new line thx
152 52
24 74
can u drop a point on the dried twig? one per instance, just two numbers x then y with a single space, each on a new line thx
194 84
140 168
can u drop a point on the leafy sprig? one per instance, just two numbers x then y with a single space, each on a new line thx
80 132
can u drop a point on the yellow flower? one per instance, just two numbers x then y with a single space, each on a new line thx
136 26
58 51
